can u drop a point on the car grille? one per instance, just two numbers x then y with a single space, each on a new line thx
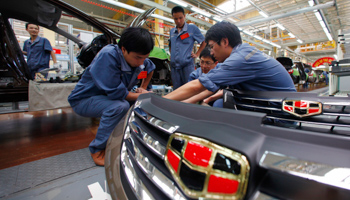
142 157
334 118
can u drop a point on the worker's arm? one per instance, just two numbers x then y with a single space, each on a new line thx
201 47
198 97
214 97
146 80
186 91
53 56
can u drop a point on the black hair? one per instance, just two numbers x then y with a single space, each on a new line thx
222 30
30 23
206 53
137 40
177 9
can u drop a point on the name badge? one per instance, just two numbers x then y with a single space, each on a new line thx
142 75
184 36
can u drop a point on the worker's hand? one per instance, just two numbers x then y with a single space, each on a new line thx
56 65
141 90
193 55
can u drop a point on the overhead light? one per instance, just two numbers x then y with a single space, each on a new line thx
329 36
123 5
247 32
323 25
163 18
217 19
300 41
281 27
318 16
132 8
311 3
263 14
200 11
180 3
276 45
291 35
257 37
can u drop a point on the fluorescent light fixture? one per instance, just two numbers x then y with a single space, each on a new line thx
300 41
291 35
318 16
263 14
323 25
257 37
217 19
200 11
163 18
329 36
180 3
276 45
281 27
311 3
335 56
248 33
123 5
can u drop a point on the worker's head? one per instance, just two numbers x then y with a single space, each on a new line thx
136 44
207 61
178 14
32 29
222 38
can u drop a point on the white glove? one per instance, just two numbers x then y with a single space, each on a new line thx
56 65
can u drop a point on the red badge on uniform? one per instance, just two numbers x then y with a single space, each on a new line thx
184 36
142 75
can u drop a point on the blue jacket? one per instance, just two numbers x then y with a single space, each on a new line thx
249 69
182 45
109 75
38 53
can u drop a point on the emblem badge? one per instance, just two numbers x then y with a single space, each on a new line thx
206 170
302 108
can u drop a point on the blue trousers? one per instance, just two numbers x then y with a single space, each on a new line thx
110 112
180 77
219 103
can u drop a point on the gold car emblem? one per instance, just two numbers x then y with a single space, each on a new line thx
206 170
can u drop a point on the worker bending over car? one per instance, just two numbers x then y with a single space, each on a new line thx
242 67
104 91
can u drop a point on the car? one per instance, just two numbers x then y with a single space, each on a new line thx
14 72
261 145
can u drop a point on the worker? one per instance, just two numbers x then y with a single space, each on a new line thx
104 91
207 63
242 67
38 50
181 42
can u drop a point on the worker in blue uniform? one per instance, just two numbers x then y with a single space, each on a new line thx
207 62
104 91
182 38
242 66
38 50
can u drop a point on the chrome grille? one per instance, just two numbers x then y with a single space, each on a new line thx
335 117
142 156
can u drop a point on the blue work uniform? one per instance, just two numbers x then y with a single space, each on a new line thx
181 44
102 90
197 73
248 69
38 54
